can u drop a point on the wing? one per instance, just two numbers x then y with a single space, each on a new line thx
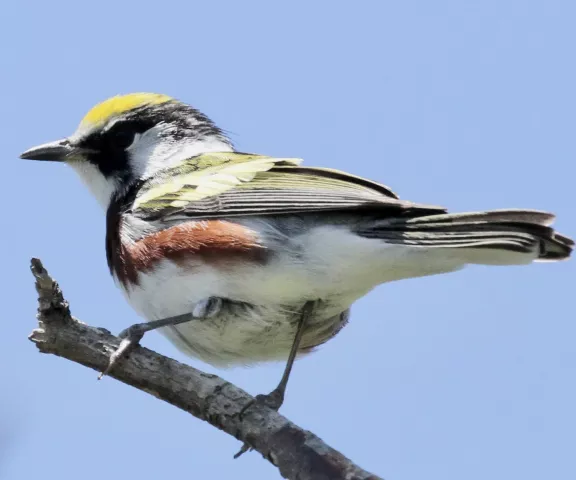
232 184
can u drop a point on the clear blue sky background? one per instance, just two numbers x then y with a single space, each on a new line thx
467 104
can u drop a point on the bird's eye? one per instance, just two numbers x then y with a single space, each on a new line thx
122 139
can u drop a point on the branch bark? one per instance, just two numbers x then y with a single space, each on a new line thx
298 454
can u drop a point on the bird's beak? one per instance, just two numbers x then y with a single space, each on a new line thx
59 151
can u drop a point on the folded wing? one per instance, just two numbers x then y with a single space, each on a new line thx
232 184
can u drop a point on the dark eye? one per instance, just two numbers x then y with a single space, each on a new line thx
122 138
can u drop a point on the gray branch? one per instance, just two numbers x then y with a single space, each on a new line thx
298 454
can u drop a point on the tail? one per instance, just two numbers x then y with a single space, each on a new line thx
497 237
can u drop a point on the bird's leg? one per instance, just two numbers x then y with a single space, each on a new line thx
131 336
275 398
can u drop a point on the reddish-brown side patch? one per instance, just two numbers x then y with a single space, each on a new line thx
217 242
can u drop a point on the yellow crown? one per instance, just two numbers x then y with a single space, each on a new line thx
119 104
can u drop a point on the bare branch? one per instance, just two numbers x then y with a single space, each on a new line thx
298 454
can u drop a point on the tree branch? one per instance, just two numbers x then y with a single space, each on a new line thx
298 454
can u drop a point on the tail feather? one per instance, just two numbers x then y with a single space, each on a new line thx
535 217
520 231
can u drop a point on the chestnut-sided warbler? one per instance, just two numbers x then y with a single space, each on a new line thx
242 258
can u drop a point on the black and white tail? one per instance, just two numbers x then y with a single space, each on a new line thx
497 237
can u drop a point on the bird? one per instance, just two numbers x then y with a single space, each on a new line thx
241 258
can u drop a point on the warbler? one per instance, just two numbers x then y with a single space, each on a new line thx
241 258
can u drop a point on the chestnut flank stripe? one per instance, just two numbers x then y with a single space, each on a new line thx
217 242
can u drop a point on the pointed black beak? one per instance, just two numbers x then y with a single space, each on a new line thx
58 151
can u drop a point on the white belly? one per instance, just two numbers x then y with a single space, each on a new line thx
248 335
332 265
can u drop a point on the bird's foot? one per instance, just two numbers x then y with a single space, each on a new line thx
131 336
272 400
130 339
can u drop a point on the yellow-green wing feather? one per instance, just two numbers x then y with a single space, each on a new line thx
228 184
207 175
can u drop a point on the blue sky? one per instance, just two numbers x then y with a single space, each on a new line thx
465 104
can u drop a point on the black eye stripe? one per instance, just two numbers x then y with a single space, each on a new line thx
121 134
109 146
120 131
129 126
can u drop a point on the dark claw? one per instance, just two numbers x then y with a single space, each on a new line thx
245 448
273 400
130 339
